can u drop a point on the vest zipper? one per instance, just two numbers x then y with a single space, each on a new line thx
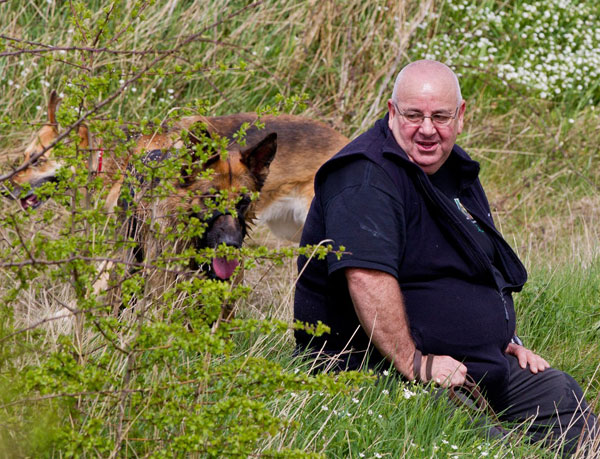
501 293
471 243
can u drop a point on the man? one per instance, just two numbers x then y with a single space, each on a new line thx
426 280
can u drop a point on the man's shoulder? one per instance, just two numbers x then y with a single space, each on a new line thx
359 177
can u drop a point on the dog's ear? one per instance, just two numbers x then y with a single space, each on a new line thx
47 133
84 136
52 106
259 156
197 137
199 134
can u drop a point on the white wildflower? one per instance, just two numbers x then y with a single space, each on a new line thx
407 393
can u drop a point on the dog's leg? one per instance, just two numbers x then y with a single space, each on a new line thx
113 195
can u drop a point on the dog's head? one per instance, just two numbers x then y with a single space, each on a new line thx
39 165
243 169
217 192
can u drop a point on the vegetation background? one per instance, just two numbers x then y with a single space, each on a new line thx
530 75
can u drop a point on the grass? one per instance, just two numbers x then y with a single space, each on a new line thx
540 164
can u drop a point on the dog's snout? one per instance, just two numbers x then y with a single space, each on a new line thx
225 229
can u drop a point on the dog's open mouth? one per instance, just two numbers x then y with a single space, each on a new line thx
30 201
224 268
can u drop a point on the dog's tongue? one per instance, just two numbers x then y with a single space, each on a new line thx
224 268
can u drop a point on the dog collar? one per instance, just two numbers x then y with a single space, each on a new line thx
100 155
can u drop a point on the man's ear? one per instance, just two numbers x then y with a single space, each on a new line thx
392 113
461 114
259 156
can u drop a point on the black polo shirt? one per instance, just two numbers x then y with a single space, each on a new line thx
389 216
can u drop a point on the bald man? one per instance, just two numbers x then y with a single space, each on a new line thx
425 284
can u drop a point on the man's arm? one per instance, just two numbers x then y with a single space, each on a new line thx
380 309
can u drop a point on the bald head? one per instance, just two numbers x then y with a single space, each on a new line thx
420 74
426 113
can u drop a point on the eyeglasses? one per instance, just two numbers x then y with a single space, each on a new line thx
417 118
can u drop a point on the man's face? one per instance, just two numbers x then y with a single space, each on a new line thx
427 144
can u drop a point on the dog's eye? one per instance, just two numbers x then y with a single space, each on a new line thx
243 203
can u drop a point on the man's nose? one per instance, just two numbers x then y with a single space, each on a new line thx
427 127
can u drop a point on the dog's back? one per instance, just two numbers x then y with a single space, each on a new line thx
303 145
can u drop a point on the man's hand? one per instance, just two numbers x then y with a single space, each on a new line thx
445 370
527 357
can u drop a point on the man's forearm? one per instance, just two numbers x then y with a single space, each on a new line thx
380 309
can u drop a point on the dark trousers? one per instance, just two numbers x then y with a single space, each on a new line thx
550 403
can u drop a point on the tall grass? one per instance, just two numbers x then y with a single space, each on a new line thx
531 121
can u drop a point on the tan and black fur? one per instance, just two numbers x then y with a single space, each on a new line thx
302 146
279 161
40 168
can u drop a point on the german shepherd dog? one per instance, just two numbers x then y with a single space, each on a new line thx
279 161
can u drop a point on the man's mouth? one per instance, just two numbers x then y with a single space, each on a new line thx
426 145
